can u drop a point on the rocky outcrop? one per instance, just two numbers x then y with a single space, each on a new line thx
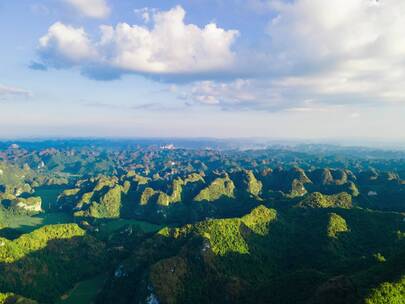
31 204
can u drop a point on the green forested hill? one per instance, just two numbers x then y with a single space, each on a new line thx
264 257
8 298
151 225
44 263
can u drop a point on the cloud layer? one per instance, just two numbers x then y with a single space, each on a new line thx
7 92
320 53
169 47
91 8
64 46
316 53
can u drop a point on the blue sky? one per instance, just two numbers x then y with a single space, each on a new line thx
202 68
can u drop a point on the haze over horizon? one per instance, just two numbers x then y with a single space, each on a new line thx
303 69
202 151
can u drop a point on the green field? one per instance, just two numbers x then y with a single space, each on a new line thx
84 292
49 195
109 226
15 225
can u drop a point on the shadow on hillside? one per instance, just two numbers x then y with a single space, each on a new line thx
45 219
298 263
188 212
295 262
12 233
44 275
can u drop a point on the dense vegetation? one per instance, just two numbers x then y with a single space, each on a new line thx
122 223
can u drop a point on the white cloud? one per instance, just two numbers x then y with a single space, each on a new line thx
360 41
7 92
312 92
65 45
91 8
334 52
145 13
238 94
315 30
169 47
317 53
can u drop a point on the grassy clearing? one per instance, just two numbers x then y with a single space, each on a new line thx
49 195
110 226
15 225
84 292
